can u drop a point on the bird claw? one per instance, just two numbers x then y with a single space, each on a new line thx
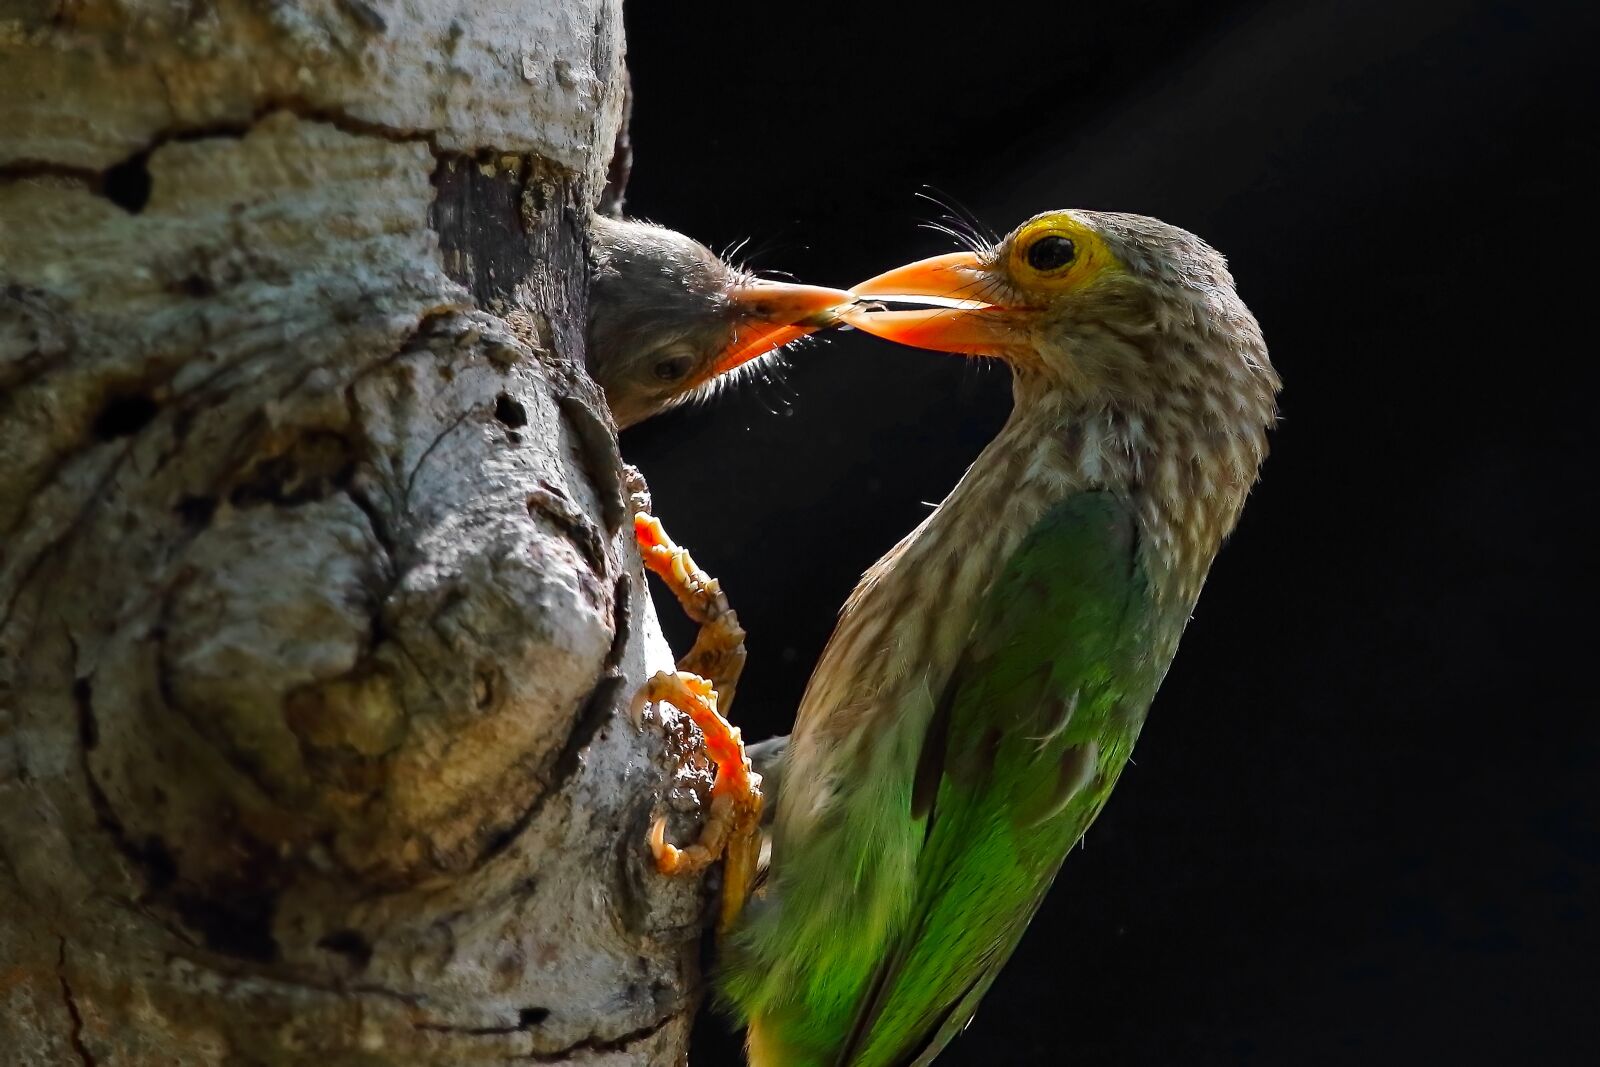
705 678
732 826
636 707
718 652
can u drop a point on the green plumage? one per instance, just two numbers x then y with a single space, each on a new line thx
1026 742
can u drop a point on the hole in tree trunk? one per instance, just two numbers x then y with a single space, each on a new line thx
510 411
127 184
123 415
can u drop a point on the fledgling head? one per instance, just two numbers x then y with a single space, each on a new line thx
1114 310
667 316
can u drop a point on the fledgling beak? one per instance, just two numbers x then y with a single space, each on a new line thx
771 314
965 322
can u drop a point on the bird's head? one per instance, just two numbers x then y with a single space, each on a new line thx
1127 335
1115 311
667 317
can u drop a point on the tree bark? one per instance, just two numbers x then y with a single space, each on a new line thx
319 606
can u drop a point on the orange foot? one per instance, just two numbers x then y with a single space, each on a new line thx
718 653
733 826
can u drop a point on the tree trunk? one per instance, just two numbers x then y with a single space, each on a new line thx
319 607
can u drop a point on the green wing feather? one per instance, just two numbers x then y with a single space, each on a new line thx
1023 749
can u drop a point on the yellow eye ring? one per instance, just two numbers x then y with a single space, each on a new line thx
1056 252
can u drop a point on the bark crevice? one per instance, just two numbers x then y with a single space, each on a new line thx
127 182
620 1043
75 1034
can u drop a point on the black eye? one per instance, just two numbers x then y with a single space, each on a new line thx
673 368
1051 252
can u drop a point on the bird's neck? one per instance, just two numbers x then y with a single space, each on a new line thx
912 611
1184 471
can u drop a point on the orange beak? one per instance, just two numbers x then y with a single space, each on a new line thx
771 314
965 322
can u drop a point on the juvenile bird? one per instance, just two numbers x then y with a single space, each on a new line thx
987 678
667 317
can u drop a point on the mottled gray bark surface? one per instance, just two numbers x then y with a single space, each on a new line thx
319 607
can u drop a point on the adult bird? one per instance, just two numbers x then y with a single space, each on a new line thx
668 319
987 678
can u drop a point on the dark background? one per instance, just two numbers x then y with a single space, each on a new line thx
1362 825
